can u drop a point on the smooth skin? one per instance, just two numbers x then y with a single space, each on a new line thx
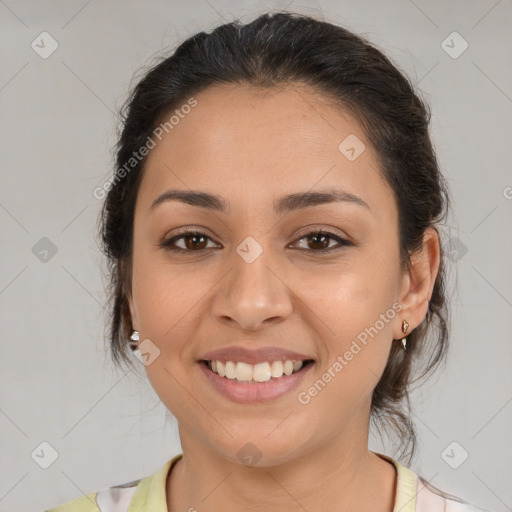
251 147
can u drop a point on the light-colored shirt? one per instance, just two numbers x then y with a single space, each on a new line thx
412 494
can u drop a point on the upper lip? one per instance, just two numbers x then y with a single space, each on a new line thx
253 356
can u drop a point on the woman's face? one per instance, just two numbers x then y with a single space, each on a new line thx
254 279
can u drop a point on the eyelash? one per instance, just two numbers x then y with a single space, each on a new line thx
167 244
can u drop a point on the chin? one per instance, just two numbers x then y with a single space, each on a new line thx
258 449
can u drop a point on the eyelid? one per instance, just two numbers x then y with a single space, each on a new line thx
315 228
165 242
341 240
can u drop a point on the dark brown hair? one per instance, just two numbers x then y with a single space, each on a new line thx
277 49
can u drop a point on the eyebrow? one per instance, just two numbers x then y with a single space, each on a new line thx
291 202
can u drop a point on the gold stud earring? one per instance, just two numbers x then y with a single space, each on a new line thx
405 326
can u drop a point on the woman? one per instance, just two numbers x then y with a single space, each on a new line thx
276 264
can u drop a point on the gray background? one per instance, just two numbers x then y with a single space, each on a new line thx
58 128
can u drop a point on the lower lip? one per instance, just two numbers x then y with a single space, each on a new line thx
254 392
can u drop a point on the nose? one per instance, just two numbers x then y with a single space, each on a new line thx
253 295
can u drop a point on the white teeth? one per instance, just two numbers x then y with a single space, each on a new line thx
277 369
243 371
260 372
230 370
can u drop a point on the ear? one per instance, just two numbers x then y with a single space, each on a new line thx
418 282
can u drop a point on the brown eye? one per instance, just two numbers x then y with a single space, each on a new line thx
196 241
193 241
318 241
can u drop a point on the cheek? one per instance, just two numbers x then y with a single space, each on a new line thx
358 305
168 303
159 297
169 308
353 297
359 316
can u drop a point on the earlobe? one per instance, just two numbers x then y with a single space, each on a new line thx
419 279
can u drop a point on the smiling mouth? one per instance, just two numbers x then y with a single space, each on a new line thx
256 373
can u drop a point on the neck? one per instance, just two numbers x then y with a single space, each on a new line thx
339 475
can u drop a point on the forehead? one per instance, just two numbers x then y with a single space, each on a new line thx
243 140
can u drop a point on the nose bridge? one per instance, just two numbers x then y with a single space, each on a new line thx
252 292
